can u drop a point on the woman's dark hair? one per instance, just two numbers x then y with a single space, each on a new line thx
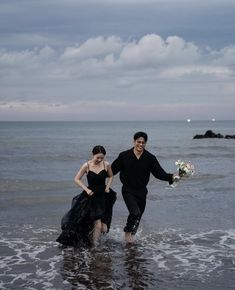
98 149
141 134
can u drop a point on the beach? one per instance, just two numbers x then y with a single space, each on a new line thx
186 238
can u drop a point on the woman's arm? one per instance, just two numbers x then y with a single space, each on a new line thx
78 179
110 177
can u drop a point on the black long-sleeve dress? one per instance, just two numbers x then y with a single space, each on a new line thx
78 222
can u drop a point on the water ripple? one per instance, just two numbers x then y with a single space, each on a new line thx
34 261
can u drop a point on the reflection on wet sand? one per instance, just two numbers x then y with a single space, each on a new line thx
136 266
90 268
97 268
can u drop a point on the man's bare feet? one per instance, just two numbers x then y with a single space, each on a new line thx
129 238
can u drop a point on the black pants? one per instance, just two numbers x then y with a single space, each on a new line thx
136 205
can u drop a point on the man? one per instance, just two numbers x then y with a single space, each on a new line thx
135 166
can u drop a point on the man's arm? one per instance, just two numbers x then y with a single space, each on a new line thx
117 165
160 173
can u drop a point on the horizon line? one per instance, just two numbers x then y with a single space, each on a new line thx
176 120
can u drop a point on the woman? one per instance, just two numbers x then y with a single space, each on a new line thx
91 211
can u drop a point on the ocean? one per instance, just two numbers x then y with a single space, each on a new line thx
186 238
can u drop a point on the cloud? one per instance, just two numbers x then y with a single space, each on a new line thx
197 71
101 56
26 110
109 74
225 56
60 23
152 50
94 47
26 57
28 105
107 110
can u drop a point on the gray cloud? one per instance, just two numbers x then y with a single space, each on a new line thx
62 23
116 59
104 74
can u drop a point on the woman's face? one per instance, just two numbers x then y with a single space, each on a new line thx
97 158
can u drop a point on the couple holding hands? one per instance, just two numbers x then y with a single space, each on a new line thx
91 211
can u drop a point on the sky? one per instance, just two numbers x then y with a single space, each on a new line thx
100 60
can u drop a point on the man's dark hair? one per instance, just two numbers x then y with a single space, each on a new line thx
141 134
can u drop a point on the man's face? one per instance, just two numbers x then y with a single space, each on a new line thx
139 144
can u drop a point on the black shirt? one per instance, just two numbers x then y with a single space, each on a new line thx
135 173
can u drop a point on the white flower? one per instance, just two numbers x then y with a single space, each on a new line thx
185 168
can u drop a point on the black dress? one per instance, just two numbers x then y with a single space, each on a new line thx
78 222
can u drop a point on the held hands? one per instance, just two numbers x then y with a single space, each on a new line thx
89 192
107 189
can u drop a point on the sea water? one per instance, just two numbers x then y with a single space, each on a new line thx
186 238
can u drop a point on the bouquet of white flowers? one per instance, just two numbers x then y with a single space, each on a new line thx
185 169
